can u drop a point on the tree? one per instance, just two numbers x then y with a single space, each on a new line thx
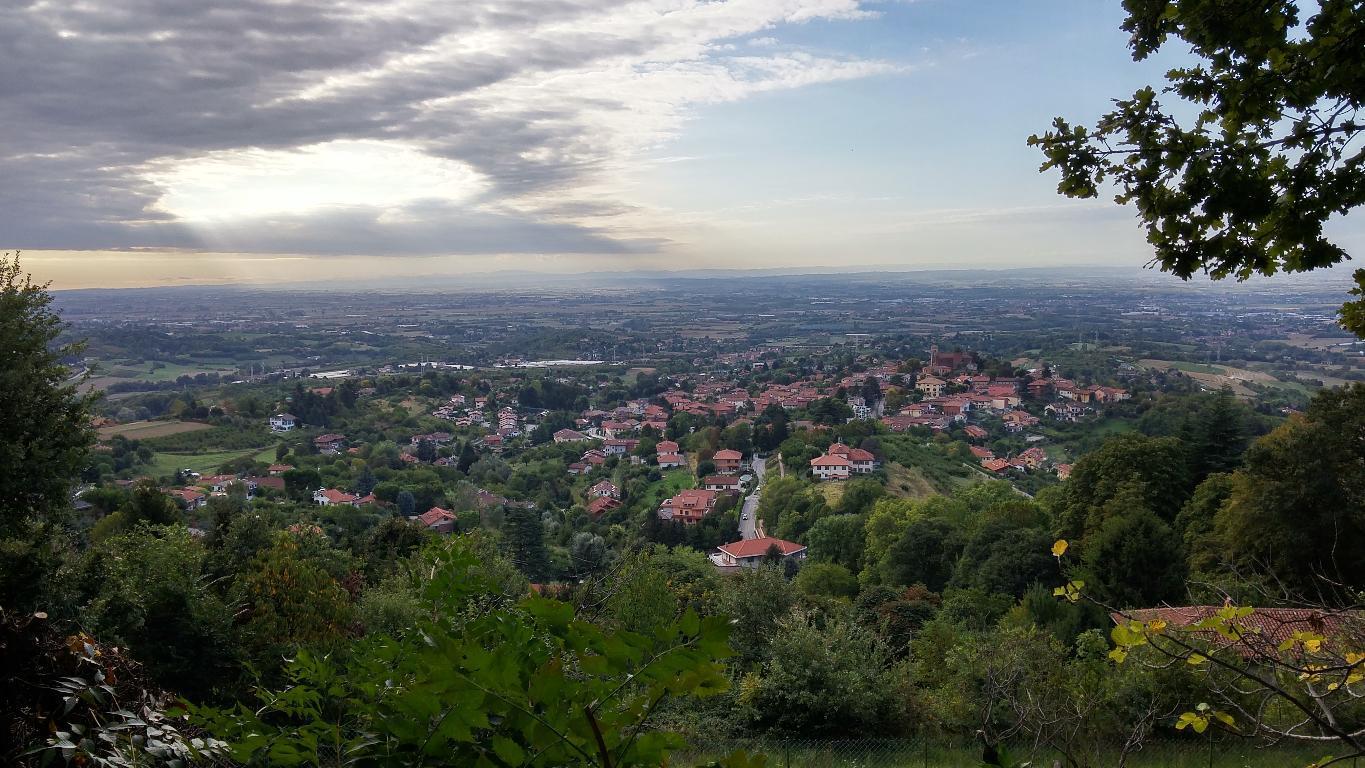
1217 436
292 601
827 579
44 419
426 451
588 551
1245 184
511 684
1004 558
1134 560
467 457
837 539
1157 469
145 591
301 483
825 678
1296 512
407 503
871 391
926 553
366 481
524 541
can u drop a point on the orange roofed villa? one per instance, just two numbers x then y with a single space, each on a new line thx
750 553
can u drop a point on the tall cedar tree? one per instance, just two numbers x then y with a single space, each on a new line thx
524 539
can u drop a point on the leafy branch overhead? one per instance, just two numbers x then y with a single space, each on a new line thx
1259 151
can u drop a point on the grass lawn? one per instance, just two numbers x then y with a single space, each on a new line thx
876 753
167 371
141 430
907 482
267 455
674 480
833 491
204 463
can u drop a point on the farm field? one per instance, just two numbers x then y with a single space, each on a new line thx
204 463
141 430
1219 376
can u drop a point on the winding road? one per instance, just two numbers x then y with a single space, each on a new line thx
748 517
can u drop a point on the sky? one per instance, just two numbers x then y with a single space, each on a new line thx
165 142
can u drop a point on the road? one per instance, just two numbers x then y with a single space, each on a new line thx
748 517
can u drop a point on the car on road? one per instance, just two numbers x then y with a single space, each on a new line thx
744 516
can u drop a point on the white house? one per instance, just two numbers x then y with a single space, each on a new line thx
283 422
326 497
831 467
860 462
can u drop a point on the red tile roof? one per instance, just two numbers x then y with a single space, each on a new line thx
830 461
435 515
759 547
1265 628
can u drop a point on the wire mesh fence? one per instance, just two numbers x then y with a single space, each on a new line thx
931 753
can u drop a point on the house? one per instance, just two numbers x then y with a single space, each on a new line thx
619 447
438 520
618 428
569 436
217 483
604 490
1111 394
751 553
274 483
721 483
326 497
831 468
435 438
727 461
1262 634
667 460
1063 471
689 506
192 499
329 444
599 507
276 470
1031 458
283 422
1067 411
862 462
975 433
1018 421
931 386
666 446
981 453
944 363
995 465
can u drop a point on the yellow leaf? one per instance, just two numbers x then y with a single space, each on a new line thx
1059 548
1196 659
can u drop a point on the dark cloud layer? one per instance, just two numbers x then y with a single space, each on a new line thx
93 93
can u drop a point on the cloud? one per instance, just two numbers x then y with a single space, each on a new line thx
507 124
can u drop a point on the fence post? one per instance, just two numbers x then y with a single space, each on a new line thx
924 748
786 754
